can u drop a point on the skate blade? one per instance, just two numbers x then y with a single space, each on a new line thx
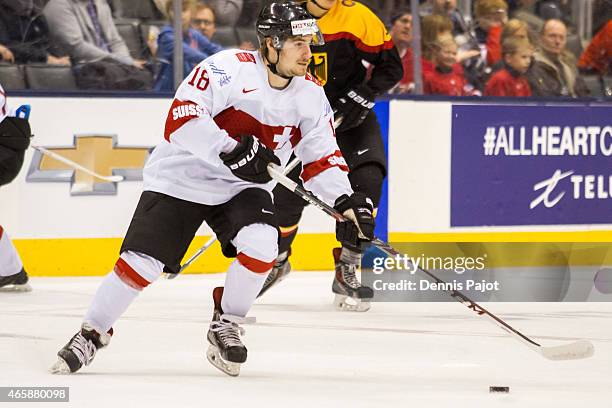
349 304
229 368
16 288
60 367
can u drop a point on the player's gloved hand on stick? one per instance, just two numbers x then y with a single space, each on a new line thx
354 106
249 160
360 227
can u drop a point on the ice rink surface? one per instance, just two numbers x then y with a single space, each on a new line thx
304 353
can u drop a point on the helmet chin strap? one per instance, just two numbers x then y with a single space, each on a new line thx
272 66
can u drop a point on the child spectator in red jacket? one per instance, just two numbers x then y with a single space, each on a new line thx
447 77
511 80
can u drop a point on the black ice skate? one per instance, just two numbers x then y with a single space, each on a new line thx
351 295
80 350
226 351
281 269
15 283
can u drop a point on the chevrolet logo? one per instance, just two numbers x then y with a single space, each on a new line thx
95 152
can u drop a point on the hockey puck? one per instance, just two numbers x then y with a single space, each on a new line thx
497 388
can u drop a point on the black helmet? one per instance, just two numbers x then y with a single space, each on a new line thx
282 20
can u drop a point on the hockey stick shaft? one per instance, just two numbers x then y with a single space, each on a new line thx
580 349
76 166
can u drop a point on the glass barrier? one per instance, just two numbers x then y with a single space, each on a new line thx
468 48
114 45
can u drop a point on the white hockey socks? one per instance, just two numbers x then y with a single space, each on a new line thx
133 272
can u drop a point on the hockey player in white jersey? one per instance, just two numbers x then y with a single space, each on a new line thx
236 113
14 140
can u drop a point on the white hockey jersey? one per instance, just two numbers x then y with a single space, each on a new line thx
228 95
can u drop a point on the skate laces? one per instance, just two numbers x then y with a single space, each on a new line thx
271 276
83 348
349 275
229 330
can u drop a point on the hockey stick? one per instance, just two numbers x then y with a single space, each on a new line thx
571 351
77 166
169 275
208 244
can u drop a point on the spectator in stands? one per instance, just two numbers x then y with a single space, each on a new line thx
227 11
204 18
523 11
554 71
514 29
447 77
6 55
597 57
511 80
432 28
25 32
491 16
85 30
448 8
401 33
552 9
518 29
196 47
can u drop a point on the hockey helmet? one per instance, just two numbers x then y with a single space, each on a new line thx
280 21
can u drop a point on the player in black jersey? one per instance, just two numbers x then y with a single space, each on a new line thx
353 35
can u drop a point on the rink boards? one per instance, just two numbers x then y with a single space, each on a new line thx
457 172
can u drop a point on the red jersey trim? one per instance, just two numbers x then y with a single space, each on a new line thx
180 113
129 276
254 265
333 160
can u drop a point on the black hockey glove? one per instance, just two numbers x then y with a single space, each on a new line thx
15 134
249 160
358 209
353 107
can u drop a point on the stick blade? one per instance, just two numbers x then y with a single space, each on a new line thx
572 351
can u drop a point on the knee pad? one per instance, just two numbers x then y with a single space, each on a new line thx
368 179
138 270
257 247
